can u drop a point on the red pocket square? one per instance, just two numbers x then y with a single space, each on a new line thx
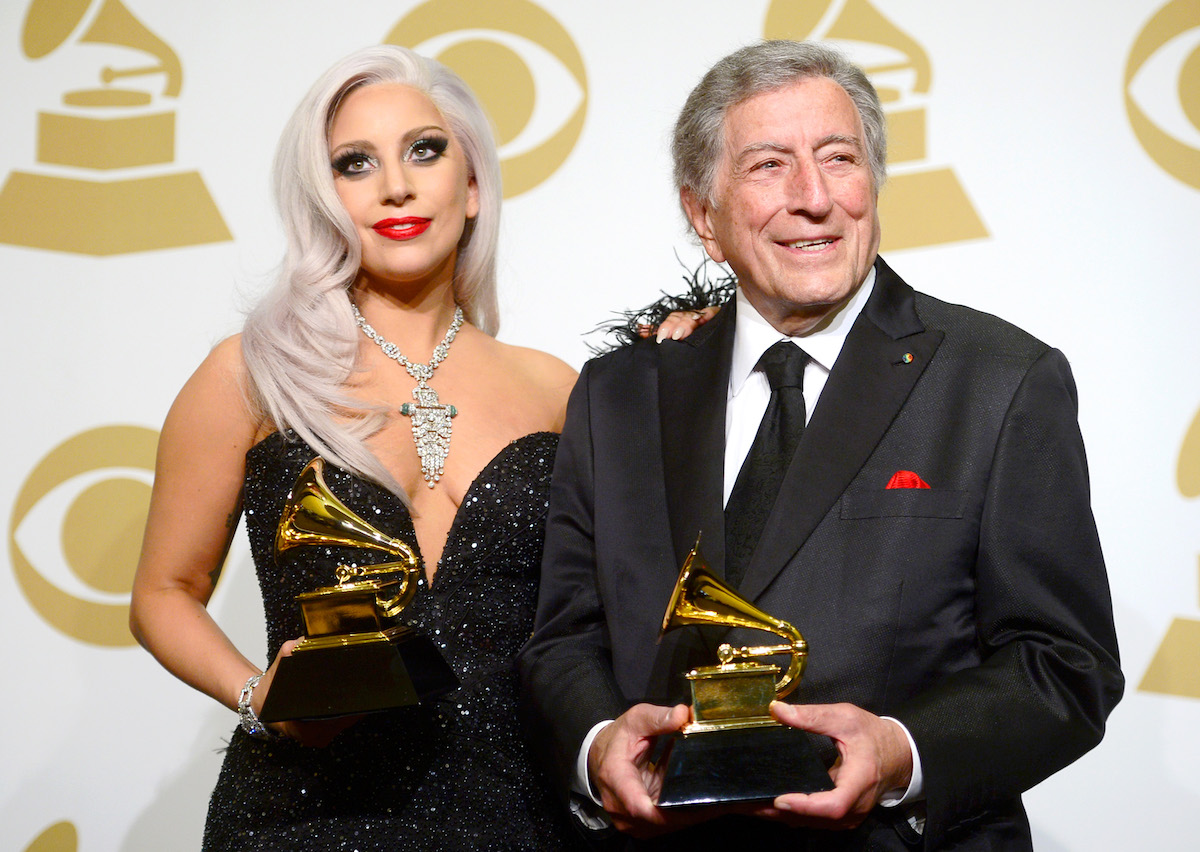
906 479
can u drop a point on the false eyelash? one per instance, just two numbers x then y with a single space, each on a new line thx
343 161
437 144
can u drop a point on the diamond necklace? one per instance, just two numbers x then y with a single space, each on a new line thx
430 419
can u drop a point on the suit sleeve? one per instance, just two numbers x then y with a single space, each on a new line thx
566 667
1049 673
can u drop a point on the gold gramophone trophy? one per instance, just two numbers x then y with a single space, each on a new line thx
356 655
733 750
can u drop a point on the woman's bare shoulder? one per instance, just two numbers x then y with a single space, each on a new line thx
225 361
534 375
219 391
541 368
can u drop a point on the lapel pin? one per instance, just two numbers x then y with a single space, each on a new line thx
906 358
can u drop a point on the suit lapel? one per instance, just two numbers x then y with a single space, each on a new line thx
693 384
866 388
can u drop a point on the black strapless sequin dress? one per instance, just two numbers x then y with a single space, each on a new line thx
455 774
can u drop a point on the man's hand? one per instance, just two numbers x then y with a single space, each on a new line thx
620 772
874 759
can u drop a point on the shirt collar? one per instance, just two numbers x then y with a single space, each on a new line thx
753 335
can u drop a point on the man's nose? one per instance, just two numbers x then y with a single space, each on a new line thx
809 190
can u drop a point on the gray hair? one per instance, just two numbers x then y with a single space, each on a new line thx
699 140
300 343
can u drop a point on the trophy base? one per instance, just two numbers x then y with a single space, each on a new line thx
740 765
360 674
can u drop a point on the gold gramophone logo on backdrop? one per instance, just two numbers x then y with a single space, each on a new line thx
1175 669
525 68
923 204
60 837
1162 89
89 496
108 150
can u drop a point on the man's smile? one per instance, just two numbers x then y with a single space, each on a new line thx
810 245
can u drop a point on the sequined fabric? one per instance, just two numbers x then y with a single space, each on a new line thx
453 775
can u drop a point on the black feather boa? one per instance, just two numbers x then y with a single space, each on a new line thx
703 291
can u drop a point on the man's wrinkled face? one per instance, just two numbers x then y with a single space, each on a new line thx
793 208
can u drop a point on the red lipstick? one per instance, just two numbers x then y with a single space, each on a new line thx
401 229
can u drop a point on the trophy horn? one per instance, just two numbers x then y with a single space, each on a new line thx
700 597
313 515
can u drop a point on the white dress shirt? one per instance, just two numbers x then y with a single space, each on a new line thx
749 391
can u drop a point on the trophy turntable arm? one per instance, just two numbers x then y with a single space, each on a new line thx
798 649
347 573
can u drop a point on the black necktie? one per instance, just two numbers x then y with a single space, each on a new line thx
762 472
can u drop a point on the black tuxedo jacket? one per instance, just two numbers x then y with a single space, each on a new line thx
976 611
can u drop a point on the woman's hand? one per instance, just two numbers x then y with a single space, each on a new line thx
679 324
313 733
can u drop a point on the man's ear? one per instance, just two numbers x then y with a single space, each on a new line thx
697 212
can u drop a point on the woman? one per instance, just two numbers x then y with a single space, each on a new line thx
388 183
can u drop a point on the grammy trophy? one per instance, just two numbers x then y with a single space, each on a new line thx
356 655
733 750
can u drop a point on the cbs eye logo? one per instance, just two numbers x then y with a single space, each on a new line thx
525 69
1162 89
76 531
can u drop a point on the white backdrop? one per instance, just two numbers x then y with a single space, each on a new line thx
1087 221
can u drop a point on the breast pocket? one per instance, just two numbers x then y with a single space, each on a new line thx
903 503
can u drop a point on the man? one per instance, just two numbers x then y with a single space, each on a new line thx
931 537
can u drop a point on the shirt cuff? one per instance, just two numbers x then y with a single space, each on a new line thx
916 786
580 784
582 794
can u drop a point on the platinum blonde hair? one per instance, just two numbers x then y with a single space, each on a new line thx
300 342
699 140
